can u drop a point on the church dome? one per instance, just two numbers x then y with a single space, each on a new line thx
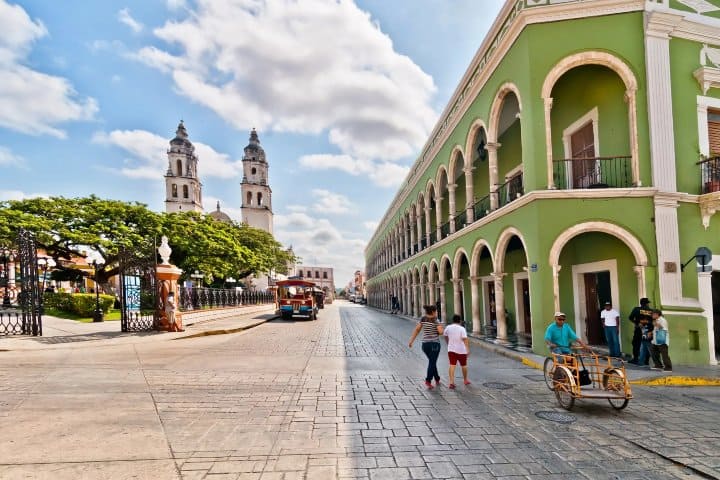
181 136
254 151
220 216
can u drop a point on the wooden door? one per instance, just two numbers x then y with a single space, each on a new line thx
527 323
593 324
582 144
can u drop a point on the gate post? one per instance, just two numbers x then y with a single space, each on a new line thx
170 320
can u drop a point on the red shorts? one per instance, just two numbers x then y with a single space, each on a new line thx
454 358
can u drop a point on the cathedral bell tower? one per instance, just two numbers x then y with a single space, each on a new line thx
183 190
256 194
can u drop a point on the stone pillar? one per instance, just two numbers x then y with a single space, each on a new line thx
451 209
443 303
428 221
438 215
492 149
667 236
500 306
705 297
412 231
469 194
431 293
548 103
423 298
457 298
556 286
475 293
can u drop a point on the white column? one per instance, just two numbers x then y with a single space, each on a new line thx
705 297
457 297
492 149
443 307
475 293
423 300
451 209
548 102
431 293
438 215
667 237
659 26
412 231
469 194
500 306
419 218
640 273
556 286
428 221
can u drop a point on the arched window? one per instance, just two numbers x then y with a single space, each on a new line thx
259 197
174 190
309 275
186 193
179 168
249 198
317 274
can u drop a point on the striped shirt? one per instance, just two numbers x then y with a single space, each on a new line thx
429 330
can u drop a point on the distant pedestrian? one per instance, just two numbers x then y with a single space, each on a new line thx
395 304
660 341
611 324
431 331
646 336
637 314
458 349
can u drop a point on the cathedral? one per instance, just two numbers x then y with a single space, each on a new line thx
183 189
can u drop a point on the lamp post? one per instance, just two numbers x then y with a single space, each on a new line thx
44 263
6 256
230 280
197 276
98 315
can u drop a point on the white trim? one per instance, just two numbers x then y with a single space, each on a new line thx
519 307
703 104
573 128
579 293
513 172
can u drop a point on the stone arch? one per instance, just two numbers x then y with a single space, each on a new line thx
502 244
472 135
457 151
592 57
476 251
434 269
496 108
635 246
441 172
444 260
458 258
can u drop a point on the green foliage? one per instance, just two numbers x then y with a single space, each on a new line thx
80 304
64 227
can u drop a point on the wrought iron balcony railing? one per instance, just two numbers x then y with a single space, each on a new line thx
481 207
510 190
595 172
461 220
710 175
445 230
199 298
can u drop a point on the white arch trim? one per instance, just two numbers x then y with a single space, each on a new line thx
591 57
502 244
457 151
472 134
456 261
618 232
496 109
476 251
441 267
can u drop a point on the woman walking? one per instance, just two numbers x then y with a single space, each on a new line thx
431 331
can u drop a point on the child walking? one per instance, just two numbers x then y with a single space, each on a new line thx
458 349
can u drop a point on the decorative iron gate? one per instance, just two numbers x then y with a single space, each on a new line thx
21 311
138 291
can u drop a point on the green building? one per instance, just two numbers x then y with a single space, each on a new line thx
577 162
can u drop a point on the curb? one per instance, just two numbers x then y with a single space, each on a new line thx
668 381
226 331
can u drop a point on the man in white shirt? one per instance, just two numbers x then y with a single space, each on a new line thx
611 324
458 349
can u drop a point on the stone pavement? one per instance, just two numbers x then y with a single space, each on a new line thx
340 397
63 333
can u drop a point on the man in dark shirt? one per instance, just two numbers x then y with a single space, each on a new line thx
638 313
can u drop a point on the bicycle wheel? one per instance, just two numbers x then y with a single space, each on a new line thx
614 381
563 388
548 372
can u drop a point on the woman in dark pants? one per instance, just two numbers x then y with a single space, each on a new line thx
431 331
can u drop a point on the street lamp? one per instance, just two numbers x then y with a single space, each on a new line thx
5 257
230 280
44 263
98 314
197 276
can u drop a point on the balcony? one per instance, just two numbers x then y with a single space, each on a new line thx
710 175
423 244
594 172
445 230
510 190
481 207
461 220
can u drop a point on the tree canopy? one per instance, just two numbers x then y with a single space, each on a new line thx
67 227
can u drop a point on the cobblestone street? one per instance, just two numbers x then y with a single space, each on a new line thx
341 397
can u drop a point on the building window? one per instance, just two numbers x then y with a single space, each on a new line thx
186 193
253 171
174 190
249 198
714 131
325 275
259 197
179 168
309 274
317 274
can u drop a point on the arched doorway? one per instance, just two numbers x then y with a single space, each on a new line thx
458 203
477 154
505 147
482 267
512 263
461 288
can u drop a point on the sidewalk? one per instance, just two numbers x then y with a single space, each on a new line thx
63 333
682 375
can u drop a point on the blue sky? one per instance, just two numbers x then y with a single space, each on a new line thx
343 95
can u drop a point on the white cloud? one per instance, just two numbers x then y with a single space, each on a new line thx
19 195
125 18
384 174
329 202
319 243
30 101
175 4
311 67
371 225
10 159
297 208
149 159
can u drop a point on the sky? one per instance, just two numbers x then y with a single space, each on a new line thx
343 94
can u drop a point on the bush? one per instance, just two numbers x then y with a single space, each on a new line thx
82 304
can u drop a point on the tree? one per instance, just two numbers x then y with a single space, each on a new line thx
64 228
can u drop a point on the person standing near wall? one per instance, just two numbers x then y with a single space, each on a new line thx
638 314
611 324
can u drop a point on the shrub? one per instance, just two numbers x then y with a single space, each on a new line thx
82 304
58 301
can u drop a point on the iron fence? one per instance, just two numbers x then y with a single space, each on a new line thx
710 175
461 220
510 190
594 172
445 230
201 298
481 207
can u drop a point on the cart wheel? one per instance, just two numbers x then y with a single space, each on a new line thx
548 372
563 388
285 316
614 381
